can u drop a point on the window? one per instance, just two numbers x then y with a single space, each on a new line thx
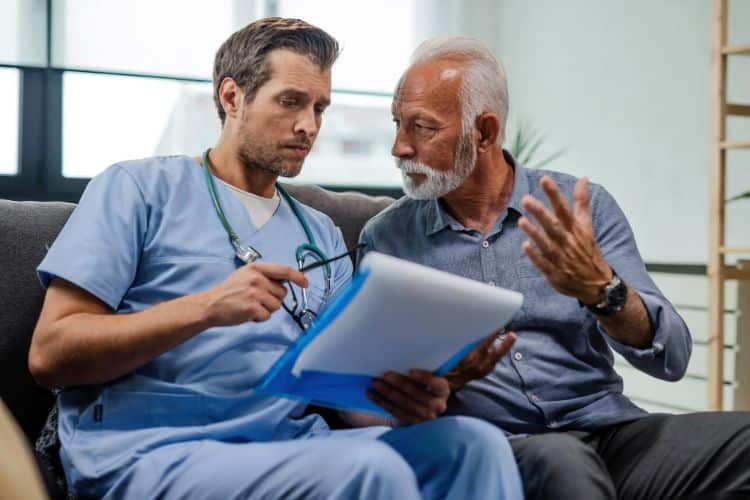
376 38
103 82
9 94
22 42
109 118
353 148
22 32
168 37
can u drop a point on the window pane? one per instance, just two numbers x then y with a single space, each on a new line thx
107 119
168 37
375 49
9 96
23 34
353 148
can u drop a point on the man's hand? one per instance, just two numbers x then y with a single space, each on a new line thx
564 248
482 360
411 399
423 395
251 293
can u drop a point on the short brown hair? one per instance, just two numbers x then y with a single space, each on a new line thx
243 56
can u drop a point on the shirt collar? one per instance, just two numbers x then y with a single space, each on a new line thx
438 218
520 183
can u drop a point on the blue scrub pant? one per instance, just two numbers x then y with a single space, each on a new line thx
451 457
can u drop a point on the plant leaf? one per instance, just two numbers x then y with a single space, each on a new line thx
740 196
548 159
534 142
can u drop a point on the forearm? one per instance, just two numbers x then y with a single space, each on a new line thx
630 326
91 348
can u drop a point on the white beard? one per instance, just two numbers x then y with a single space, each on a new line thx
438 183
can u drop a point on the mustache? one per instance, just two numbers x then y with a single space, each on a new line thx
412 167
306 143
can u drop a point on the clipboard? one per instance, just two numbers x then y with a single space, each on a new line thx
394 315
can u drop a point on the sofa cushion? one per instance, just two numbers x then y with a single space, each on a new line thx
26 229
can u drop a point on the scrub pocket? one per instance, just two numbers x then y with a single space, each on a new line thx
119 410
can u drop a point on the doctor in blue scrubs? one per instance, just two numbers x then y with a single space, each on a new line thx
169 296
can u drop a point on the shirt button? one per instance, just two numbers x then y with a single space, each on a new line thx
535 398
518 356
485 244
553 423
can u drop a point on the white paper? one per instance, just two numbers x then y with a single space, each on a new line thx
407 316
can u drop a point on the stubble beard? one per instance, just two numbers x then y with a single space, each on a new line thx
255 155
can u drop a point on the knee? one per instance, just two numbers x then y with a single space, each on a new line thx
469 439
481 438
374 470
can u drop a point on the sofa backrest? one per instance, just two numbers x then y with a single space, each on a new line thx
28 228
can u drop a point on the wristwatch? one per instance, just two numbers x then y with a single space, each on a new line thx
615 295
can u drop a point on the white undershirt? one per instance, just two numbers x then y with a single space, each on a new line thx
259 209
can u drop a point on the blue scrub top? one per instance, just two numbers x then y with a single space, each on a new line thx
145 232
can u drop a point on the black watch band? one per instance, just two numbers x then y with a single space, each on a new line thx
615 295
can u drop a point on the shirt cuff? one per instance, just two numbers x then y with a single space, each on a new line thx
653 309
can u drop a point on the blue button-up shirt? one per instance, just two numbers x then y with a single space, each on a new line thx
559 374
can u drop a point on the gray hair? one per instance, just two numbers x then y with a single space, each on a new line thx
244 55
484 86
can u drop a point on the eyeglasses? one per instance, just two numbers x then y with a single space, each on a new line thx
309 258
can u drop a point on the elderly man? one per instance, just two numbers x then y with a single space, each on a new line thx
472 210
163 312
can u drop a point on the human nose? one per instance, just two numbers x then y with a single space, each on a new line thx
308 123
402 147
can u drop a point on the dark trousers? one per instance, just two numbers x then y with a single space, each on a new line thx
692 456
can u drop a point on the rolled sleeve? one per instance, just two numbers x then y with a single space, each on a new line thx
668 355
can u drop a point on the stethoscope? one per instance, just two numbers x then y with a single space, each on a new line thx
247 253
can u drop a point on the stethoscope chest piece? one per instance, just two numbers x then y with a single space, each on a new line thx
246 254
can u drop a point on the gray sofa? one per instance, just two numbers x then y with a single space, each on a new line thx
27 228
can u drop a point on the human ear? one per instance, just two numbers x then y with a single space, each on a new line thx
488 125
231 97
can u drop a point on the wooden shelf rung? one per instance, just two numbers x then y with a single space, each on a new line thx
736 49
728 250
735 145
738 109
735 273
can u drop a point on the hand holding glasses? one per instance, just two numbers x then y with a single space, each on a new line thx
307 260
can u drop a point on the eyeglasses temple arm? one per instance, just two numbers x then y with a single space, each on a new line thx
320 263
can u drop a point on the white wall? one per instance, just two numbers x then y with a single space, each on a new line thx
625 87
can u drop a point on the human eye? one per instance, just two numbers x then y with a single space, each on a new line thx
288 102
423 127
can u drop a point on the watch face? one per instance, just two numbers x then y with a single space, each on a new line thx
615 296
617 293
